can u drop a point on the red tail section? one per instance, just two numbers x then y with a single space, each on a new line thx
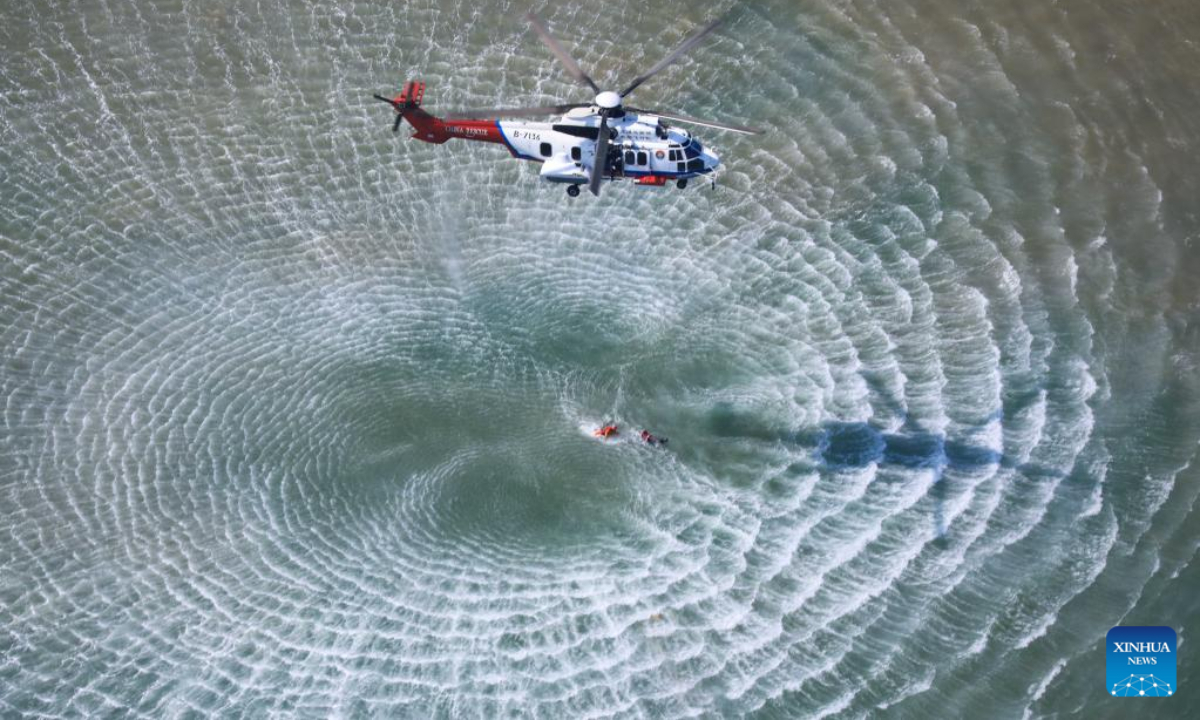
435 130
428 128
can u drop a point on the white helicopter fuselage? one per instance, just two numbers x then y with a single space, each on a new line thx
641 147
636 144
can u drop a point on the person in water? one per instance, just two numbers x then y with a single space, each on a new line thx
653 439
606 431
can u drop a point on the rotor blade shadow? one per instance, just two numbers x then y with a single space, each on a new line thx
844 446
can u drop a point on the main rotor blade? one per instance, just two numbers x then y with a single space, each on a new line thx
569 62
697 121
515 112
600 162
677 53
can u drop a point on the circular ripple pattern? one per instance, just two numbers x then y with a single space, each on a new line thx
297 414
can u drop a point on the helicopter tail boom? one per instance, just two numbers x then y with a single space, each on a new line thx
436 130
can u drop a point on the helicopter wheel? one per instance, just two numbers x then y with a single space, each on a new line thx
573 190
681 183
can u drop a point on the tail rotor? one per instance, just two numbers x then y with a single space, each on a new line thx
399 111
408 99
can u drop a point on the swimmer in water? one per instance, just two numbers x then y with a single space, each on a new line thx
607 431
653 439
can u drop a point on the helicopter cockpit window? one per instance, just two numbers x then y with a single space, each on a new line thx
547 151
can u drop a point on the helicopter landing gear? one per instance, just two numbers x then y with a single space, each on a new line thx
681 183
573 190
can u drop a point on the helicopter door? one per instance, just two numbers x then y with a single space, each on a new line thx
636 159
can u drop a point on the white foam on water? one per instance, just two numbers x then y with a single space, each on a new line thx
1038 689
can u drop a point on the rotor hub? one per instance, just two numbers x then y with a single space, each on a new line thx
608 100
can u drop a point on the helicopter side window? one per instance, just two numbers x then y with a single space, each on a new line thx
576 154
547 151
629 157
641 158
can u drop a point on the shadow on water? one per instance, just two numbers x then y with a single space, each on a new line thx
841 446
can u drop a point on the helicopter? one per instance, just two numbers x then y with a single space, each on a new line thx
591 141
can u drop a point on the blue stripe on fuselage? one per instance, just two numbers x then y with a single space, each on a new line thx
666 173
516 153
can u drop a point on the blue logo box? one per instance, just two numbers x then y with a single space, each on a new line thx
1140 661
